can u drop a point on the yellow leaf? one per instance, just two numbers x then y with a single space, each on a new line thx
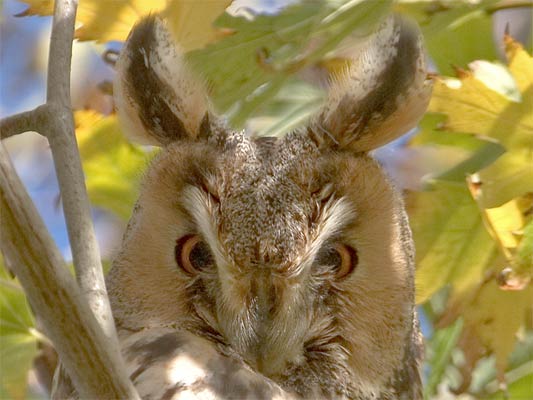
508 177
492 317
112 165
452 244
504 222
520 64
475 237
102 20
472 107
192 22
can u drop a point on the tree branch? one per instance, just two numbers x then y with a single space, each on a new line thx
87 347
94 363
23 122
60 134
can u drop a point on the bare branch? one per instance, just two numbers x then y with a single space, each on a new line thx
23 122
86 341
60 134
94 364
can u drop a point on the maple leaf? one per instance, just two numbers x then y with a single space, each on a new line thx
104 20
473 230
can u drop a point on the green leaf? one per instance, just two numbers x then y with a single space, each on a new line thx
524 256
18 344
519 389
484 156
455 32
453 246
439 353
248 68
492 318
112 165
508 177
449 223
295 103
519 373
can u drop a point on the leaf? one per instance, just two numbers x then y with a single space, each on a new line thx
104 20
520 272
518 377
472 106
492 318
246 70
439 354
453 246
101 20
475 241
519 389
455 32
192 22
295 103
18 344
503 223
112 165
524 254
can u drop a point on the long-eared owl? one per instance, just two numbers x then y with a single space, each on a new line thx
262 267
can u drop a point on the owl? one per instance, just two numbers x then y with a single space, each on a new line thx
263 267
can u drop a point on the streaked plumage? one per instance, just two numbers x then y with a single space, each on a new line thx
263 267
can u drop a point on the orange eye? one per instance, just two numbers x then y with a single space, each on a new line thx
341 257
192 254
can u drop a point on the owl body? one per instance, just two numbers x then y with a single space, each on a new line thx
268 268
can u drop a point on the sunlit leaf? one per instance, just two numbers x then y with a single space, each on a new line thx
112 165
453 246
248 68
470 229
102 20
455 32
473 107
504 223
192 22
18 346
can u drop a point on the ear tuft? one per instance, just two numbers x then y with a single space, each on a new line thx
381 94
157 96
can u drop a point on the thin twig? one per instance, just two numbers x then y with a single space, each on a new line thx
85 252
94 366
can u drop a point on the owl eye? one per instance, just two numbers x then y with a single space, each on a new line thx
192 254
342 258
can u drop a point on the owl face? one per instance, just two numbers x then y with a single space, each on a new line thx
292 255
287 254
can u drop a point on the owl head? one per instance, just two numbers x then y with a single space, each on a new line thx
292 254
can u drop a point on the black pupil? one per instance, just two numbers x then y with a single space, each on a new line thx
200 256
329 256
